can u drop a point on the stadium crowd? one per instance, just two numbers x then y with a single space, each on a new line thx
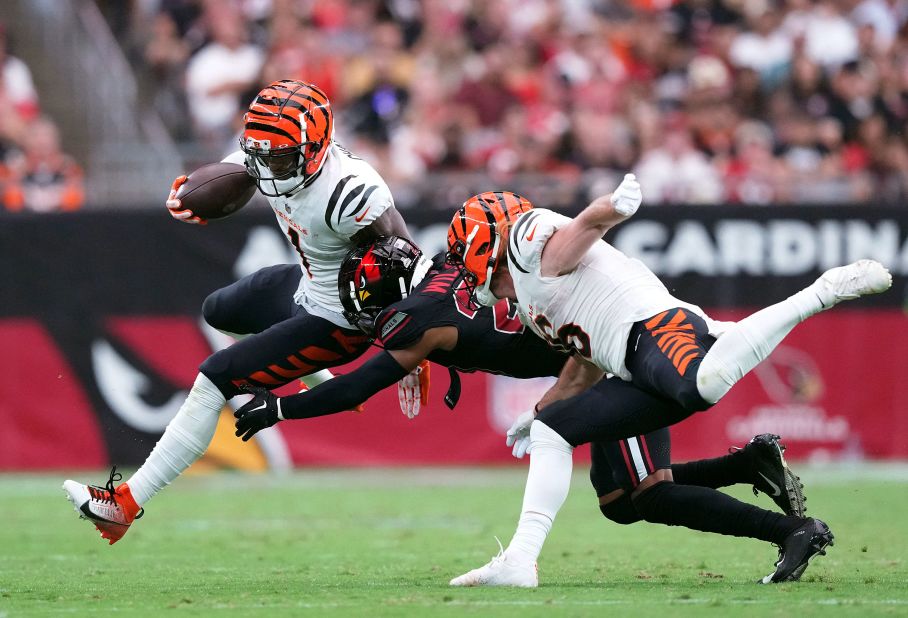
35 174
708 101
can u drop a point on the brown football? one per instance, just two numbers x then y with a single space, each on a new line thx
216 190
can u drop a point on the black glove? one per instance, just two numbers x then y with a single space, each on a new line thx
258 414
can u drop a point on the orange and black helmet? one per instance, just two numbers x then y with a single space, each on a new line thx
286 134
478 237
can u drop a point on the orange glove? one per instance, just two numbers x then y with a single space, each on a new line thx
413 390
175 206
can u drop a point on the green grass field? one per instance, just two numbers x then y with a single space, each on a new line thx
386 542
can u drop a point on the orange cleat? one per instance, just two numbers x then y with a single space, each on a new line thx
111 510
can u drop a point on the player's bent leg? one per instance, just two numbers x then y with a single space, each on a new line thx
760 463
708 510
614 499
748 342
295 348
111 509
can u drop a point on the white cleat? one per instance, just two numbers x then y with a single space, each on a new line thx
852 281
500 572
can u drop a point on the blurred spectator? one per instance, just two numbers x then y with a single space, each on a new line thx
166 54
677 172
43 178
219 74
18 90
764 48
18 99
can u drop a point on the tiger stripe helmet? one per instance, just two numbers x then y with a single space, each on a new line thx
286 134
478 238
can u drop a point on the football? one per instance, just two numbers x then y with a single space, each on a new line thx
216 190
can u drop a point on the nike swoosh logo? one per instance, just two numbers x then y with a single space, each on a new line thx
778 492
531 234
362 216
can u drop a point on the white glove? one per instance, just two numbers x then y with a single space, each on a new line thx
627 197
413 390
519 434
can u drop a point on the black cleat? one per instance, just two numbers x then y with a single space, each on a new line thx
798 549
772 476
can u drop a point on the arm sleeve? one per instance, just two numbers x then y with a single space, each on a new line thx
346 391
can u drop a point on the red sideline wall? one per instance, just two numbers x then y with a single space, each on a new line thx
97 358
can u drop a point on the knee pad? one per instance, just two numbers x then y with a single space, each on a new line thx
541 435
621 511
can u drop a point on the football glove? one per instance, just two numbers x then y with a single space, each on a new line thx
264 410
519 434
175 206
413 390
627 197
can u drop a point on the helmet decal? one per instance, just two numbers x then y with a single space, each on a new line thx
374 276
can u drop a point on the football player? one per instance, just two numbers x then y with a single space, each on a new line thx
416 314
288 319
668 360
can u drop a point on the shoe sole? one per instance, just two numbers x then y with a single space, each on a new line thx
794 488
793 485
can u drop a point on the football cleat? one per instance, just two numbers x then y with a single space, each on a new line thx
852 281
111 510
771 474
798 549
500 572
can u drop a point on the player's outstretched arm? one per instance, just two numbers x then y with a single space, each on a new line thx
338 394
567 246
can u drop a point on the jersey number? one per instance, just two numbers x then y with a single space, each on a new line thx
295 240
569 338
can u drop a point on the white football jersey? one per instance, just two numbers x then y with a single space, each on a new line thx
592 308
319 221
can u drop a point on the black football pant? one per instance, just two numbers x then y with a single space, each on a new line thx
663 355
284 342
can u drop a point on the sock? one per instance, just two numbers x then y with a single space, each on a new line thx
717 472
748 342
548 482
702 508
187 436
314 379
